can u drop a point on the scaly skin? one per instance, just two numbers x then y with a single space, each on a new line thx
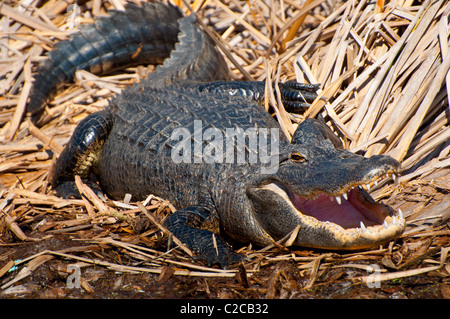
133 147
137 36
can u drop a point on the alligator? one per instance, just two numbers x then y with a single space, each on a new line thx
189 134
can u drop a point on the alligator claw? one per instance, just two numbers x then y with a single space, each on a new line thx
297 96
295 107
300 86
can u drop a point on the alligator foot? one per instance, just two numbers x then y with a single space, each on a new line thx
81 153
296 96
185 225
69 189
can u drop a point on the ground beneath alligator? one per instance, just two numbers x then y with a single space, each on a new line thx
93 248
104 258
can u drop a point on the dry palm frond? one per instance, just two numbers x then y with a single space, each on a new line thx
383 74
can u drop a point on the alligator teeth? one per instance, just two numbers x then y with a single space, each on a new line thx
363 227
394 220
345 196
375 182
338 199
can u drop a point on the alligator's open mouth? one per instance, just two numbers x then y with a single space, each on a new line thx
351 218
352 208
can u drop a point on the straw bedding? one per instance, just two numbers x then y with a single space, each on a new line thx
383 70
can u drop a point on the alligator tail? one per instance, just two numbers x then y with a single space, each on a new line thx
194 59
139 35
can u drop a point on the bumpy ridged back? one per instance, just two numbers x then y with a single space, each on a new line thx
140 144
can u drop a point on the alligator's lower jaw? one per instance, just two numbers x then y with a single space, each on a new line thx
354 221
332 236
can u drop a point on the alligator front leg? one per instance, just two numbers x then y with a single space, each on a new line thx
80 155
186 224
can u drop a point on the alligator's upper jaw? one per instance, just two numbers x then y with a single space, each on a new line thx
349 220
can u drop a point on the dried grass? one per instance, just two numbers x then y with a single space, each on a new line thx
383 70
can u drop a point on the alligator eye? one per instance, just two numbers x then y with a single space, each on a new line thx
297 157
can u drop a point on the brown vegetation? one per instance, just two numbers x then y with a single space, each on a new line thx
383 70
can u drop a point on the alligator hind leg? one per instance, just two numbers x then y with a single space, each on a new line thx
185 224
296 96
80 155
